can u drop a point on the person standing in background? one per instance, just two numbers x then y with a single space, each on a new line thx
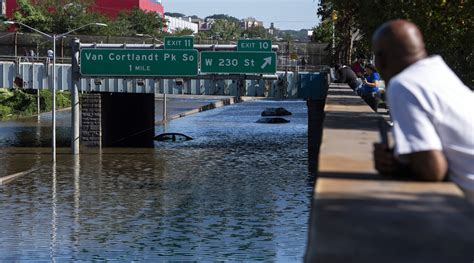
358 66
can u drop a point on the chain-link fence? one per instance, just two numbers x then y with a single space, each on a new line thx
302 56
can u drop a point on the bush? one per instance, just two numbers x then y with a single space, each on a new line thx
5 111
62 100
5 94
24 102
21 103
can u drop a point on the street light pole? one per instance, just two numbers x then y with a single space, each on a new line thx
53 114
53 75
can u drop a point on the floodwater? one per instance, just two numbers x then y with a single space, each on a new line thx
239 191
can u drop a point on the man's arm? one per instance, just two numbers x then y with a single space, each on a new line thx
428 165
416 137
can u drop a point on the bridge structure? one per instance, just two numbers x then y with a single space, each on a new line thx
118 82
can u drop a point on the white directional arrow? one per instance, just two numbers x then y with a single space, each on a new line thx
268 61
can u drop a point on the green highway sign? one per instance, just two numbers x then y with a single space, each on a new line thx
138 62
238 62
179 43
254 45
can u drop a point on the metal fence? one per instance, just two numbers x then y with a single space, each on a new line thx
32 75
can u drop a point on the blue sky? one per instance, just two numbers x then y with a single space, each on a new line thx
286 14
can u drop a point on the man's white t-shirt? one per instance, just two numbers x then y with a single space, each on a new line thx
432 109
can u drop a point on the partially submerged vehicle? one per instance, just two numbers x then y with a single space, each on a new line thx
172 137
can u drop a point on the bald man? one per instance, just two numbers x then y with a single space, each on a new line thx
431 109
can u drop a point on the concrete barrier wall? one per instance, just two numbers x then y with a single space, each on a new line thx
37 76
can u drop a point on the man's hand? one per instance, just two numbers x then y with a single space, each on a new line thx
385 162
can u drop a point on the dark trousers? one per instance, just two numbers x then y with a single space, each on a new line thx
372 99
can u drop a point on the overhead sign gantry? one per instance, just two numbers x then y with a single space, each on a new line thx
178 59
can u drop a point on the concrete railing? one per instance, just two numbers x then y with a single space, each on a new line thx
360 216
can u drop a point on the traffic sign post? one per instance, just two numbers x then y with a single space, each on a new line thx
254 45
138 62
179 43
238 62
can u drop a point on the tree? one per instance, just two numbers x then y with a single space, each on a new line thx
225 29
323 32
136 21
57 16
34 15
224 17
255 32
447 26
183 32
68 15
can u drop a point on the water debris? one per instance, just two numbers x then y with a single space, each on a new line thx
172 137
272 120
280 111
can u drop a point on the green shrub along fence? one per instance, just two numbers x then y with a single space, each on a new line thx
23 103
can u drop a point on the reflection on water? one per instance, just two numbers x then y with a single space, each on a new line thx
239 191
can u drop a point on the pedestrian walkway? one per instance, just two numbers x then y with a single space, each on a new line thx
358 216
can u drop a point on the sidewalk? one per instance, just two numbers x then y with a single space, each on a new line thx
358 216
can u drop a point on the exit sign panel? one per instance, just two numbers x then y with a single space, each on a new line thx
179 43
238 62
254 45
138 62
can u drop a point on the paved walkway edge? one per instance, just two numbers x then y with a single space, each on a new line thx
9 178
210 106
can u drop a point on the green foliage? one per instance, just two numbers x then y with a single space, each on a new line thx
3 27
5 111
32 14
256 32
183 32
59 16
5 94
232 19
18 103
287 37
447 26
323 32
74 14
136 21
226 29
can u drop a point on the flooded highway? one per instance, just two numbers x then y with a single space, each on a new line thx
239 191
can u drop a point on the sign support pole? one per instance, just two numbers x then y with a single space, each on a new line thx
75 97
164 107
